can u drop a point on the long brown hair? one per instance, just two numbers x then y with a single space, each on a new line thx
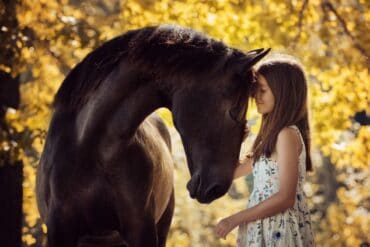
288 84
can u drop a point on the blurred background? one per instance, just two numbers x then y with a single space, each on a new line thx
41 40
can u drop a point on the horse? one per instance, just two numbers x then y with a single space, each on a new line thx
105 176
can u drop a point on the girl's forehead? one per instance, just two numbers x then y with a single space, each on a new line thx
261 80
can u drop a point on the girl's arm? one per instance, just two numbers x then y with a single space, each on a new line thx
287 149
244 168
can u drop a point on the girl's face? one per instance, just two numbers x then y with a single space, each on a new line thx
265 100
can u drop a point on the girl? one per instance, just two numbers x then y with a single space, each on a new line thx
277 213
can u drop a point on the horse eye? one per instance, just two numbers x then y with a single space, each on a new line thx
236 114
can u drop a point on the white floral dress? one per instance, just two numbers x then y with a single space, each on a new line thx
290 228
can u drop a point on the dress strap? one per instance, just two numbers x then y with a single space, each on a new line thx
300 135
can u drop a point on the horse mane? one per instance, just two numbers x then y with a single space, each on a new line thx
164 50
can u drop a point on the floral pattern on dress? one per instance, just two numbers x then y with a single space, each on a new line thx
290 228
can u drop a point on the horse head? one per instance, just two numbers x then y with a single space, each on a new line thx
210 117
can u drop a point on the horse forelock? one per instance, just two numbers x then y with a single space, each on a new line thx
165 50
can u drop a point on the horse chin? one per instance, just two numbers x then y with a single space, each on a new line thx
207 200
210 197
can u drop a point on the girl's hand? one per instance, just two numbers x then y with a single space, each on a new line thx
246 131
224 226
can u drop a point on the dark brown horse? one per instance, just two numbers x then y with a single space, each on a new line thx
106 172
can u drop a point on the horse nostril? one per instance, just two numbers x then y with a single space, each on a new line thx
193 185
214 190
189 187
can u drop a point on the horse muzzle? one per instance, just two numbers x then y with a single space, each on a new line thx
206 191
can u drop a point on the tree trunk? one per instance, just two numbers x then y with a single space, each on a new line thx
11 194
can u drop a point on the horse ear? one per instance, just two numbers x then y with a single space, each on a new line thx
253 56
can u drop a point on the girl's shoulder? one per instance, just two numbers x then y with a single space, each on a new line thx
291 131
289 137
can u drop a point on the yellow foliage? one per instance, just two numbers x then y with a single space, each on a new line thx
337 72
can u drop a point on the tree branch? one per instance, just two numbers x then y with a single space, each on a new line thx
328 5
300 21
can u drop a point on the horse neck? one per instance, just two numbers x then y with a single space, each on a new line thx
133 110
117 109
